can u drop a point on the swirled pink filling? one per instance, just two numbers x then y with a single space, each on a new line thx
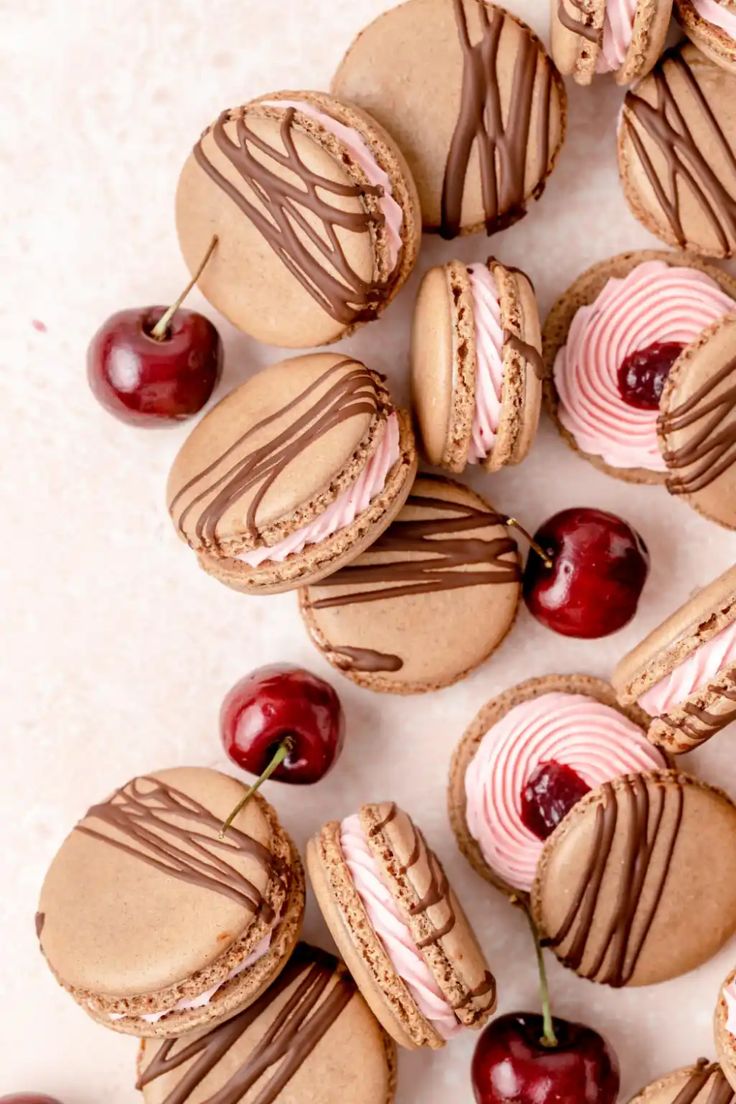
696 671
717 14
618 34
489 362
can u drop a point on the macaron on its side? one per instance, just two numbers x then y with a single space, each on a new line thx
448 568
636 885
591 37
725 1029
702 1083
310 1036
576 28
292 474
677 152
711 25
298 273
649 35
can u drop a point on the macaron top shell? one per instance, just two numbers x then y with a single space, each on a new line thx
431 71
623 37
711 24
703 1083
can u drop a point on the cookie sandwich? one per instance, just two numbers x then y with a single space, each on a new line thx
621 37
725 1031
711 25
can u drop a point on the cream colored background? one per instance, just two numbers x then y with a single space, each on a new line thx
116 650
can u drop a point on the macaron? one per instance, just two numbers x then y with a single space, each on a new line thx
470 95
399 926
683 674
476 365
702 1083
293 474
315 212
154 924
609 342
711 25
621 37
725 1032
446 569
677 152
309 1039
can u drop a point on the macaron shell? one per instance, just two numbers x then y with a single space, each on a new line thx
713 41
489 715
576 54
651 25
697 427
705 1080
406 69
725 1042
389 644
637 884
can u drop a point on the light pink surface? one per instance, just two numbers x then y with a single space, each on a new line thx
489 361
618 32
346 507
376 175
717 14
654 303
596 741
392 930
729 995
702 666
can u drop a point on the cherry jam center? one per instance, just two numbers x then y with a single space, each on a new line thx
642 376
549 795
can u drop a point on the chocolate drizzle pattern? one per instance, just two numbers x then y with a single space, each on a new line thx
650 816
711 450
167 829
579 26
527 351
688 169
503 147
281 194
365 659
700 724
242 470
708 1077
317 989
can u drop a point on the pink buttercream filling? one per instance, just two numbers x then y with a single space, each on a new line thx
618 34
489 362
346 507
729 995
360 152
696 671
595 740
654 303
393 931
717 14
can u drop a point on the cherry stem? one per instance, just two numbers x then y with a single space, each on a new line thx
544 556
159 331
549 1038
285 748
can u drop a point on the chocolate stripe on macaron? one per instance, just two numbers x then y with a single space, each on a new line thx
703 1083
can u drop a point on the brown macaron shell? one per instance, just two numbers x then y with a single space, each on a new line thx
714 42
424 566
584 291
705 712
432 72
431 911
637 885
144 907
725 1041
489 715
677 152
288 292
274 455
703 1083
576 52
298 1039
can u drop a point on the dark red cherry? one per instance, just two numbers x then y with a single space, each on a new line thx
511 1065
549 795
642 376
591 584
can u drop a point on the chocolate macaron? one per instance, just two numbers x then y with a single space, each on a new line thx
447 568
702 1083
476 365
621 37
609 342
309 1039
292 474
316 216
683 674
154 924
725 1031
711 25
399 926
677 152
473 100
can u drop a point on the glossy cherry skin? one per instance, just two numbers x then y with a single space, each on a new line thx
599 568
642 376
511 1066
272 703
148 382
548 796
28 1098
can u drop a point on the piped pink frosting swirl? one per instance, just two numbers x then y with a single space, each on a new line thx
598 742
655 302
696 671
393 931
618 33
729 995
489 361
346 507
717 14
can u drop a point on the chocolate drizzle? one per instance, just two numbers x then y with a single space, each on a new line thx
712 448
285 193
169 830
503 148
527 351
579 26
650 815
700 724
687 167
365 659
710 1077
320 988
